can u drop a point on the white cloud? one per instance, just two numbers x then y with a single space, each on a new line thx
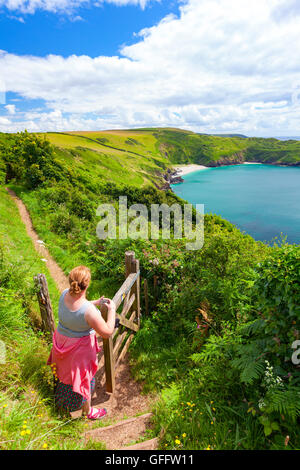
11 108
4 124
65 6
222 65
17 18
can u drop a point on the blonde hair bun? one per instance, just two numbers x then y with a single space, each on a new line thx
79 279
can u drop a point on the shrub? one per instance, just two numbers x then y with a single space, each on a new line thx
62 222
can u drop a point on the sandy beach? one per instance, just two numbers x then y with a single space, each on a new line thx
183 170
186 169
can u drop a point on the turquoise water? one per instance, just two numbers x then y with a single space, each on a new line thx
262 200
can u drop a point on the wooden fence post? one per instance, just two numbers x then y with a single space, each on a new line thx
146 297
155 282
48 322
129 259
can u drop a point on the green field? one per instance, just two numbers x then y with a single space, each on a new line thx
150 151
132 158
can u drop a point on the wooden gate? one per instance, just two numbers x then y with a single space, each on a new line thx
128 296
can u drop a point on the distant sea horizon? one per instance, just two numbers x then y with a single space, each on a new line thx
284 137
288 138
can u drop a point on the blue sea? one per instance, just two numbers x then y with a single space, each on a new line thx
262 200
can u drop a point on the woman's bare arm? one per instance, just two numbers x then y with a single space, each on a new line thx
95 320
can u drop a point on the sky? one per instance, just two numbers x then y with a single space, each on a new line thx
210 66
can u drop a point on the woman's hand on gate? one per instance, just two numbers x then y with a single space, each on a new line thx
110 304
98 302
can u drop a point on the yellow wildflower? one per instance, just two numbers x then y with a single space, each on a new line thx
23 433
45 445
177 441
184 434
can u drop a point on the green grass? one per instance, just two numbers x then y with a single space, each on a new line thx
119 159
203 424
19 250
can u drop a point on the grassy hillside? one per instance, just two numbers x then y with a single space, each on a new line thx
127 157
149 151
141 157
273 151
187 147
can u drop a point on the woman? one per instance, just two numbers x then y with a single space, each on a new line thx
73 357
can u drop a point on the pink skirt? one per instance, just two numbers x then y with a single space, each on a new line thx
76 361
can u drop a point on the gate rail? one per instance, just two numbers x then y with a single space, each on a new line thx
117 345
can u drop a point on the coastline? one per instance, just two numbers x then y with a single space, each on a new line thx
182 170
176 174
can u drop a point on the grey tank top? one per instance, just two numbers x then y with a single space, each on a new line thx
73 324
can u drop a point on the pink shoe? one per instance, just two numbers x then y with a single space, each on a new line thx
95 413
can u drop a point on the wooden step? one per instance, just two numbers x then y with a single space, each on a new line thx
152 444
118 435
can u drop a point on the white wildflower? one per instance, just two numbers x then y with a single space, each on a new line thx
270 380
261 404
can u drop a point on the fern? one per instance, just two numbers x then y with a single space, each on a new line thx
286 402
254 348
253 327
252 371
250 368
